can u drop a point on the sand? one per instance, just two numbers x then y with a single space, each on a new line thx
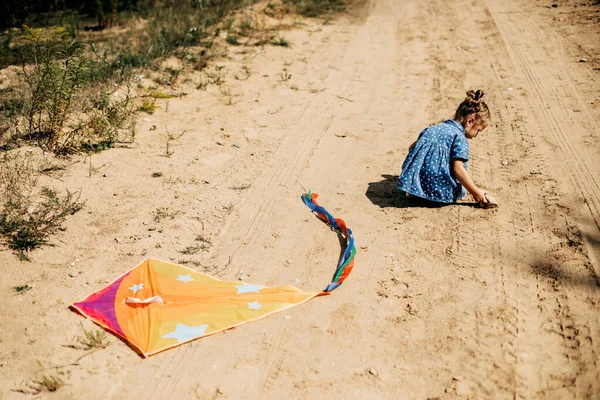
456 302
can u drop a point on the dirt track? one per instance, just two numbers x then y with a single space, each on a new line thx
452 302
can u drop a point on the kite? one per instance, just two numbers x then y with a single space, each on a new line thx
159 305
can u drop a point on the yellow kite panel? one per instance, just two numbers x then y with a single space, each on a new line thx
159 305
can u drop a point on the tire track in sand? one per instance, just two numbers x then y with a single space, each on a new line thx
317 118
302 142
540 56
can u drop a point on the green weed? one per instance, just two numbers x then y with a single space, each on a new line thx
232 40
28 216
21 289
281 41
163 212
284 75
92 339
202 238
240 188
53 81
148 106
51 383
316 8
170 138
195 248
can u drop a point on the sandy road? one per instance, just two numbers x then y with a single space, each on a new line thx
452 302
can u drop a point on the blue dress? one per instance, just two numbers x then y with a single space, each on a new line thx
427 170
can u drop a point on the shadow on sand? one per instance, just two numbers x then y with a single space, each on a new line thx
385 194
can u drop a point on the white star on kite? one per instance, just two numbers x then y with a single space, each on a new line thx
136 287
248 288
183 332
254 305
185 278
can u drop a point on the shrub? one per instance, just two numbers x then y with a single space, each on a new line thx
57 115
29 216
53 80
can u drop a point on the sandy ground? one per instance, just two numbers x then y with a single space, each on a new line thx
453 302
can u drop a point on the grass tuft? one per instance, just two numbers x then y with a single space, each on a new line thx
51 383
93 339
22 289
316 8
28 214
281 41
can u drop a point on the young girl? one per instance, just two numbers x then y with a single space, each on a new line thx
435 168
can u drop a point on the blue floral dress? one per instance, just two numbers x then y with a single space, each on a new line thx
427 170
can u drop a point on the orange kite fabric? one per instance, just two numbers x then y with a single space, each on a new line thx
159 305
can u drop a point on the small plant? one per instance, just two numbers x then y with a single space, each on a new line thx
195 263
53 81
216 77
172 76
157 94
272 9
316 8
194 249
229 208
202 85
47 382
232 40
157 174
21 289
241 187
281 41
28 227
163 212
171 137
51 383
109 120
92 339
228 24
229 96
148 106
247 73
201 60
246 26
284 75
94 170
28 216
202 238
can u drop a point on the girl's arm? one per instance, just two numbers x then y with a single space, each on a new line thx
412 145
458 167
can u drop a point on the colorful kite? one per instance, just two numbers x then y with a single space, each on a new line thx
158 305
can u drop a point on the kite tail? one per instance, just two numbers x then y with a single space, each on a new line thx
347 261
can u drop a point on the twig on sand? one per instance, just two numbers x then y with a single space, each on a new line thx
303 188
345 98
74 363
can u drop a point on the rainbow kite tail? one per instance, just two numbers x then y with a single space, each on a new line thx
337 224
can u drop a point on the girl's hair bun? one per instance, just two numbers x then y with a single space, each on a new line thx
475 95
472 104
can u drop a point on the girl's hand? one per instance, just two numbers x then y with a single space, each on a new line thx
479 196
461 173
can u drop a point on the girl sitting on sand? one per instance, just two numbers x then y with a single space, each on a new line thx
435 168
